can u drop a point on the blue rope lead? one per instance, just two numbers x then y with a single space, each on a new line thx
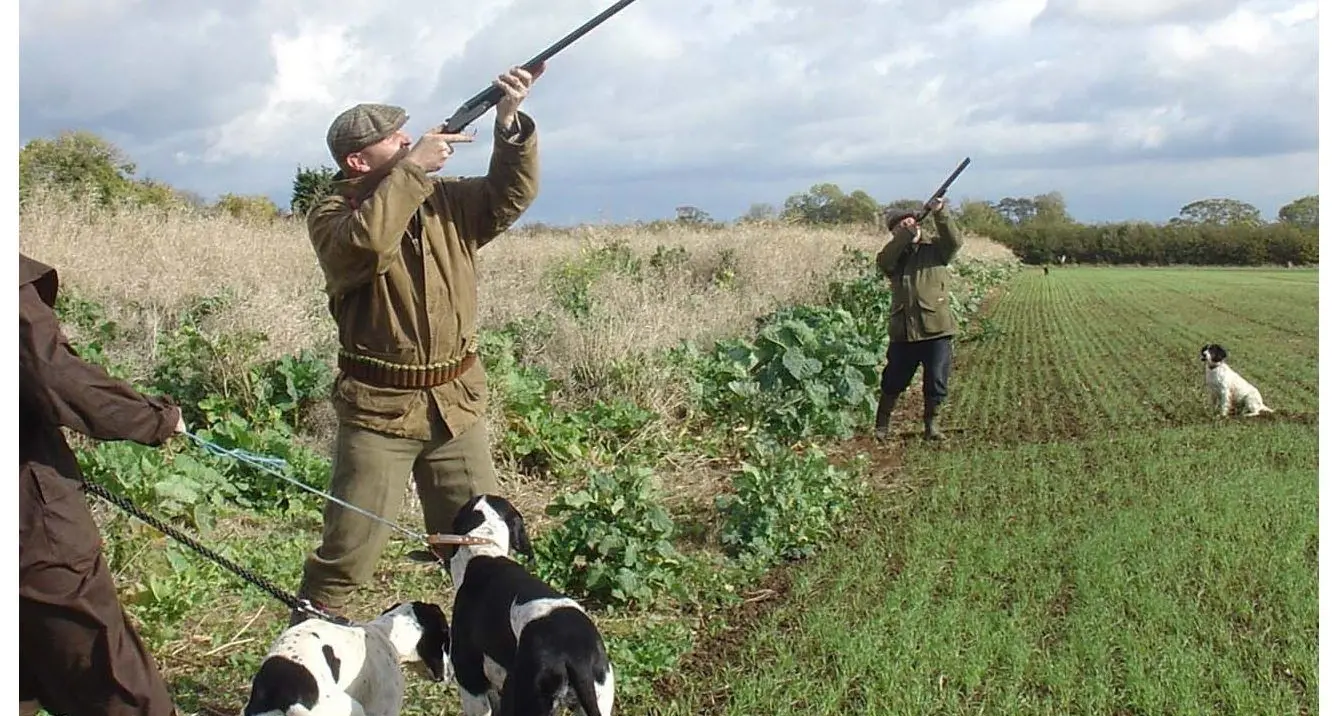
272 466
261 461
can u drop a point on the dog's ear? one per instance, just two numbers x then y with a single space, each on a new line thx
434 643
520 539
467 518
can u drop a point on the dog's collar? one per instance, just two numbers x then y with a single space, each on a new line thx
456 540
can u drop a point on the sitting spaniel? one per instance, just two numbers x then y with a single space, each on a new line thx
1227 388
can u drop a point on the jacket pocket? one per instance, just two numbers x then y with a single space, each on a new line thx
59 526
936 314
354 398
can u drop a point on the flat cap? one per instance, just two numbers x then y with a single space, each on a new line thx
362 125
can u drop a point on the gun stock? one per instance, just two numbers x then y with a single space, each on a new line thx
487 98
943 188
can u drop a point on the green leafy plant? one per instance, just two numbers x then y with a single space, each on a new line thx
783 505
810 371
180 488
614 545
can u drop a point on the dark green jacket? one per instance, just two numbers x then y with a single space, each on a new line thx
920 307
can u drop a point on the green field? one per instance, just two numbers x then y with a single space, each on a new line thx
1095 540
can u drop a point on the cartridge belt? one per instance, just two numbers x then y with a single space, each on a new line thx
403 375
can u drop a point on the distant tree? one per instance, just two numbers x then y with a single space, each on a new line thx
820 205
1219 212
826 204
759 212
691 215
1017 210
903 206
981 217
80 164
250 208
310 186
860 208
151 192
1304 212
1051 209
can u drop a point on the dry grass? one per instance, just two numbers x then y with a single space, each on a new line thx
144 267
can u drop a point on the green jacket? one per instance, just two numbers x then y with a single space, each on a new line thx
405 293
920 305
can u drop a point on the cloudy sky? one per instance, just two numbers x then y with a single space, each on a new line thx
1130 112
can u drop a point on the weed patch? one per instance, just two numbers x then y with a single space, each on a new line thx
602 446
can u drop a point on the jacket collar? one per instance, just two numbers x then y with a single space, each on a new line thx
43 278
355 188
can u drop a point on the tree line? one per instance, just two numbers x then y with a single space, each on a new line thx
1039 229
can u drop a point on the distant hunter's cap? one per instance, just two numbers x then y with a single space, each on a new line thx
896 219
362 125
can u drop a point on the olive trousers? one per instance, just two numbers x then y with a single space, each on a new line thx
370 470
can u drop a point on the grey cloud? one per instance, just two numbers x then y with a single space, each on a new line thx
145 73
1108 13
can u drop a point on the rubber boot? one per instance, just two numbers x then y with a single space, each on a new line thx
883 415
931 429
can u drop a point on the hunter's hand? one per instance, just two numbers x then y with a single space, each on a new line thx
515 83
180 427
433 149
936 205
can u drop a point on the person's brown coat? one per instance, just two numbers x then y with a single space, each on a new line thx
72 627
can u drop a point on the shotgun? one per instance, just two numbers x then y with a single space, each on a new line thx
490 96
920 216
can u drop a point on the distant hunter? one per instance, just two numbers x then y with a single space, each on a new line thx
920 322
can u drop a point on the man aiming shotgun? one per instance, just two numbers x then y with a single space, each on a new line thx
921 325
398 248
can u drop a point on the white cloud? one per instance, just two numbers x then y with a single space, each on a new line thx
742 95
318 71
996 18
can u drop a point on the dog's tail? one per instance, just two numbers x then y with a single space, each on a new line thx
582 680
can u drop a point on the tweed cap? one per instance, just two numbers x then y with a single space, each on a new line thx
362 125
895 219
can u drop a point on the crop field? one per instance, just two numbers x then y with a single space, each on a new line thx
1095 540
1094 352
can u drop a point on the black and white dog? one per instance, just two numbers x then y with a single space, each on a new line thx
320 668
518 645
1226 387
